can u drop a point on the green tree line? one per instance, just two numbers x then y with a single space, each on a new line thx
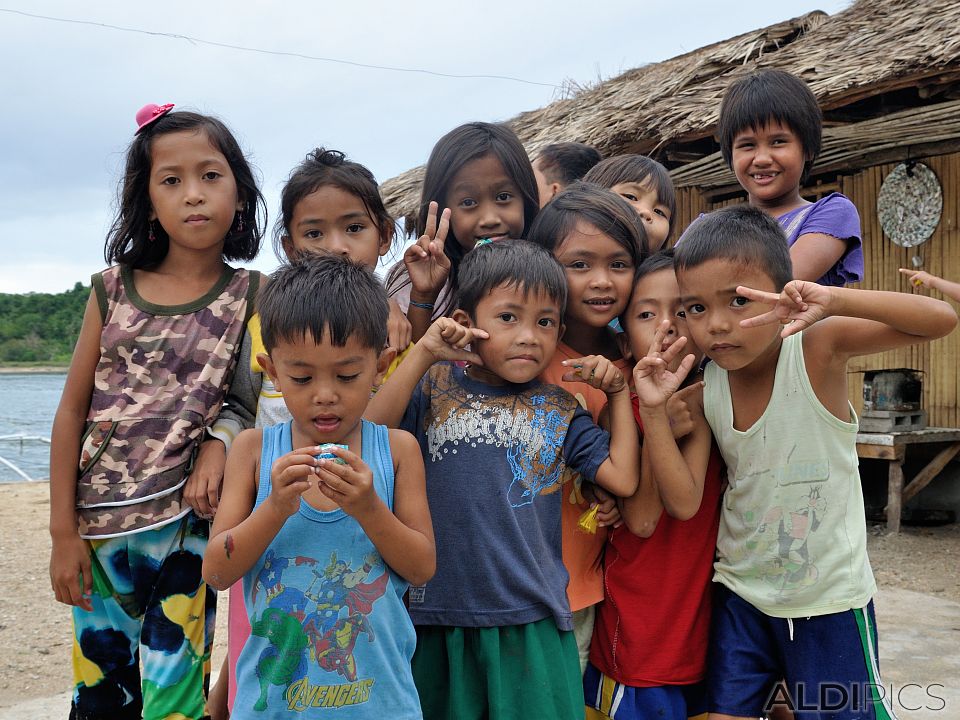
41 327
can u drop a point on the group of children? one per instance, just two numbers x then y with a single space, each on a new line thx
494 486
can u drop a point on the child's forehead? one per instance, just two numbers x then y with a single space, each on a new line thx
306 349
766 125
657 284
515 293
719 274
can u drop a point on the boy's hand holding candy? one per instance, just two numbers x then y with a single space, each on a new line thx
347 480
290 477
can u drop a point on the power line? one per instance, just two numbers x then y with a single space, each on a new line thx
280 53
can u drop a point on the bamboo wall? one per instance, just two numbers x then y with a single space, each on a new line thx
940 360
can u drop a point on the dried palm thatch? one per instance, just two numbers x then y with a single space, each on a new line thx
872 48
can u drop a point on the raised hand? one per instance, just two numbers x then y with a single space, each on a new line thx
290 477
919 278
684 408
427 264
446 339
799 306
596 371
653 382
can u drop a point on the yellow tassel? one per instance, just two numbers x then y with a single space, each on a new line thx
588 521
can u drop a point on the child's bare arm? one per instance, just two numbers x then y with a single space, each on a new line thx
861 321
813 254
678 474
445 340
619 472
240 534
70 573
919 278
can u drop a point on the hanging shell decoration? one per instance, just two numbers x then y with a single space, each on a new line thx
909 204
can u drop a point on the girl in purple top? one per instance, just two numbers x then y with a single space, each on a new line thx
770 136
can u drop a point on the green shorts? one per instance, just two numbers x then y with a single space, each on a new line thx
501 673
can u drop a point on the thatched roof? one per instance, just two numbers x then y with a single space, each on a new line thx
875 57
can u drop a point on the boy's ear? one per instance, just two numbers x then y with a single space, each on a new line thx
267 364
461 317
623 342
386 357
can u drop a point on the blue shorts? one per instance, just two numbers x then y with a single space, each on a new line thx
606 699
829 663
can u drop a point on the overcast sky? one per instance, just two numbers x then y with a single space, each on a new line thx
70 91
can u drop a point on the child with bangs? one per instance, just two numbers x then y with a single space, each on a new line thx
770 134
795 587
646 185
599 241
494 627
649 649
480 181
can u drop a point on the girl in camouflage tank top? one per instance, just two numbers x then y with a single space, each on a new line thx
152 364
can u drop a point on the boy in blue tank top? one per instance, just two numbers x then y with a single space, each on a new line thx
494 628
796 584
325 517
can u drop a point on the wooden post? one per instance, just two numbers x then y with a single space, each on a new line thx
894 494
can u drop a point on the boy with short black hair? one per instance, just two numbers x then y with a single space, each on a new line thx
769 131
494 626
325 516
796 583
560 164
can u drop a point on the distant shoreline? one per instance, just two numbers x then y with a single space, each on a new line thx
33 370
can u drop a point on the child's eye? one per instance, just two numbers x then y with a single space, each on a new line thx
740 301
211 175
629 196
507 317
170 180
681 314
620 265
546 322
467 203
348 378
646 315
300 380
662 213
578 265
695 309
354 228
313 234
504 197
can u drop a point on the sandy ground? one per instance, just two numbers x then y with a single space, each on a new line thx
35 632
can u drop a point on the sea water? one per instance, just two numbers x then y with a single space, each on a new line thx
28 402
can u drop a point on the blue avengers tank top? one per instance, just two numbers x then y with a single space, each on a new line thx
330 636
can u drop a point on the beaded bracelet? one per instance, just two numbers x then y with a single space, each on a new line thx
422 306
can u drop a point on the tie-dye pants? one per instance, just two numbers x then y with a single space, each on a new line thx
150 608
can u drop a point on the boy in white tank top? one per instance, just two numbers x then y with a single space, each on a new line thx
795 600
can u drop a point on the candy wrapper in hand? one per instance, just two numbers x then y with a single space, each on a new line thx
326 453
588 521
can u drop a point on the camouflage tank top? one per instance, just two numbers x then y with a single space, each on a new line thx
161 379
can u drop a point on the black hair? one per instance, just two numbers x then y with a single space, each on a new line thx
319 293
764 95
514 263
330 167
739 234
567 161
128 240
454 150
606 211
636 169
